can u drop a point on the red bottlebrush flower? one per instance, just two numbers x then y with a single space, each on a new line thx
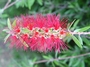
41 33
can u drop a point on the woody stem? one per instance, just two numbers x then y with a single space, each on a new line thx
79 33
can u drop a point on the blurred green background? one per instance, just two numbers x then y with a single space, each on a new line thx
70 9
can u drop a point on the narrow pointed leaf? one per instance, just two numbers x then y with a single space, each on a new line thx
5 39
75 24
9 24
46 57
30 3
86 41
25 30
77 41
14 23
84 29
6 30
80 39
71 24
40 2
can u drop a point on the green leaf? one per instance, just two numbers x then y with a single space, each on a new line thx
75 24
84 29
56 63
61 64
25 31
14 23
80 39
30 3
9 24
53 65
86 41
70 5
76 62
40 2
72 61
82 64
20 3
1 11
6 30
5 15
5 39
56 54
71 24
76 41
46 57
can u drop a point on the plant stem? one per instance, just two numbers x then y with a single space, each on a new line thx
79 33
64 58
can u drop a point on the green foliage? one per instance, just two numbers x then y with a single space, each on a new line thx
9 24
5 39
86 41
40 2
25 31
30 3
77 41
77 10
84 29
75 24
26 3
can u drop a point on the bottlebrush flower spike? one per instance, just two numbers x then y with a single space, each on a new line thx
41 33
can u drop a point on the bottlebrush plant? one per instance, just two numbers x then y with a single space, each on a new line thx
38 32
